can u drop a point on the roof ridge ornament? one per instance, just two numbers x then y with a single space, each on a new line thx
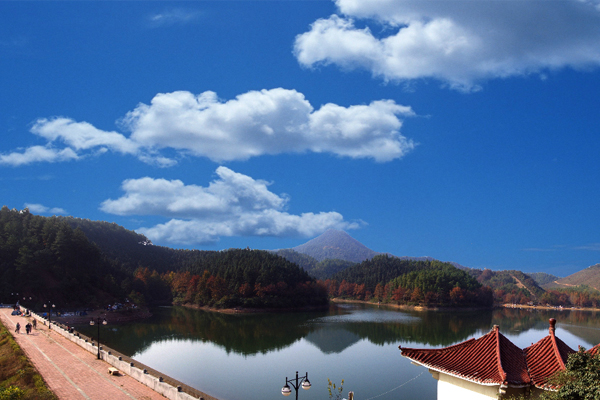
552 326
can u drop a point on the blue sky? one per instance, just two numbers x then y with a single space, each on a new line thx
462 130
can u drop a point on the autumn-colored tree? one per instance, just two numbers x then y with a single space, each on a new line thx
246 290
457 295
192 288
203 294
430 298
378 294
359 292
344 288
387 292
417 295
398 294
143 274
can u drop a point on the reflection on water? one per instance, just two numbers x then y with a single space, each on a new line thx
247 356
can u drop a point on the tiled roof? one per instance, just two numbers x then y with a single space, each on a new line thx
494 360
545 358
594 350
490 360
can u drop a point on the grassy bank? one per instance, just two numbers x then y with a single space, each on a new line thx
18 377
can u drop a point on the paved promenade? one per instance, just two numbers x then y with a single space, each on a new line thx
70 371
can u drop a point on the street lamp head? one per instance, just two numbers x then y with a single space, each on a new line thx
286 390
306 384
92 322
104 322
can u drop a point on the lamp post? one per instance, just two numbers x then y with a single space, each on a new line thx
296 383
98 322
49 307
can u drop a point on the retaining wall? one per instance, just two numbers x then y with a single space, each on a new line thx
173 390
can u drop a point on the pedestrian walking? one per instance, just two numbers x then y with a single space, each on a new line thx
35 323
28 328
18 328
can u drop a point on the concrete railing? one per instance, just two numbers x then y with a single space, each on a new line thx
126 367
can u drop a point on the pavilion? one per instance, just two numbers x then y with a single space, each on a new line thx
492 367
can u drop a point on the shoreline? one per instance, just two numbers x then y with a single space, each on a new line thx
111 316
240 310
409 307
143 313
549 307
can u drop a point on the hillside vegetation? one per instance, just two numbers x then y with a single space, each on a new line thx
589 277
509 286
76 262
317 269
403 281
542 278
18 377
52 259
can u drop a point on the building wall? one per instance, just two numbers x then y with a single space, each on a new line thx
451 388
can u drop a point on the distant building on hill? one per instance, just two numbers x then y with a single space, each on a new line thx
492 367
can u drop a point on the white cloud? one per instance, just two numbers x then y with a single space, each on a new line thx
173 17
232 205
37 154
457 42
255 123
82 135
267 122
41 209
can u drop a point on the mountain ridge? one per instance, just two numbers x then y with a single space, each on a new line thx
336 244
588 277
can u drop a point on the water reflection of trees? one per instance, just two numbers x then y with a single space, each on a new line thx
431 328
249 334
583 324
243 334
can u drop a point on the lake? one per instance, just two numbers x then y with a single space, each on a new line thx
248 356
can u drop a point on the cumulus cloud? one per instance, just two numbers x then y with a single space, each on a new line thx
37 154
82 135
41 209
255 123
457 42
268 122
232 205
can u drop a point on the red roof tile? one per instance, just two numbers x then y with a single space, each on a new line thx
546 357
490 360
594 350
494 360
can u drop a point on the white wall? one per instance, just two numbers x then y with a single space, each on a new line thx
451 388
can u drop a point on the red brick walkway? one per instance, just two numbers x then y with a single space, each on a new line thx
70 371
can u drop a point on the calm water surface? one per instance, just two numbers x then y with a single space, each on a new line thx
235 357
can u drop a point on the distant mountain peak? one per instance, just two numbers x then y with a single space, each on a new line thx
336 244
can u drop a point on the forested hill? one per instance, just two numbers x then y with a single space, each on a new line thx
404 281
589 277
384 268
131 250
542 278
45 259
508 281
54 259
318 269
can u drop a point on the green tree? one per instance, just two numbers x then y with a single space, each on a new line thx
580 380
